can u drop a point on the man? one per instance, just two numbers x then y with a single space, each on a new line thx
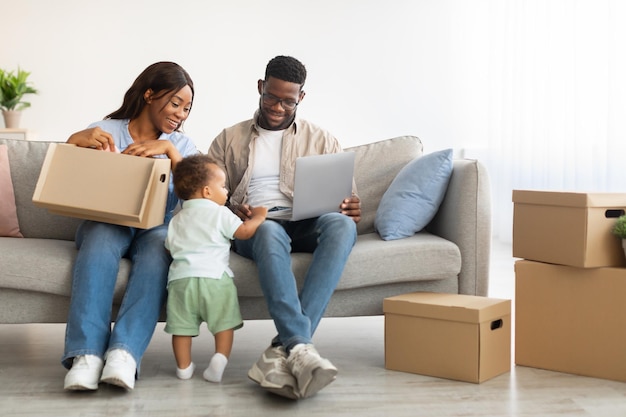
258 156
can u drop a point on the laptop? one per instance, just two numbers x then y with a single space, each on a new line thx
322 182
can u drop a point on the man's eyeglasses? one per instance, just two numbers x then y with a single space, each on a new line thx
271 100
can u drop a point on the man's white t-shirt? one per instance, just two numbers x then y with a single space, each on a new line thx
264 184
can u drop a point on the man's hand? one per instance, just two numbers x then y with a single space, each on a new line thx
352 207
242 211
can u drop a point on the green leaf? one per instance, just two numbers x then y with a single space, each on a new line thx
619 228
13 87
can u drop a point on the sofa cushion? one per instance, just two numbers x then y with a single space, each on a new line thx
372 262
45 266
376 165
9 226
414 196
35 222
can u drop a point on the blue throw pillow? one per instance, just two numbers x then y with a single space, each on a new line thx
414 196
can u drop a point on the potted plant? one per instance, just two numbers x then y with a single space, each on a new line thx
13 87
619 230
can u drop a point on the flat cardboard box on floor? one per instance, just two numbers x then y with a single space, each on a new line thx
570 319
103 186
453 336
568 228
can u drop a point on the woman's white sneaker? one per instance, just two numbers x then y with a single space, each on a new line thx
84 374
120 369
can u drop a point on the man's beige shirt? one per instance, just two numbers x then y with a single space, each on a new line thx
233 150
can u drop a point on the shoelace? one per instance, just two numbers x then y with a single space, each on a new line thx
120 357
301 354
282 365
83 361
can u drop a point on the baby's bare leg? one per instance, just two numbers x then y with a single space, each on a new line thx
223 347
182 353
224 342
182 350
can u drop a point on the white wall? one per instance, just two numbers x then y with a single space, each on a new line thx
376 69
533 88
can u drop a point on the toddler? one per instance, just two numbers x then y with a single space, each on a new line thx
200 282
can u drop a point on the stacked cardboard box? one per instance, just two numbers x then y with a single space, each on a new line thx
570 314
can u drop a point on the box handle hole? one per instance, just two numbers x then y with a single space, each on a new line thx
496 324
613 213
162 178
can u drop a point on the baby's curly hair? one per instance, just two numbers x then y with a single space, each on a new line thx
286 68
191 174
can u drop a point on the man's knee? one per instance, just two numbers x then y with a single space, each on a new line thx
339 224
269 230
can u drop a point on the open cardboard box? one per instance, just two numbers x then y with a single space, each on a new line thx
103 186
568 228
454 336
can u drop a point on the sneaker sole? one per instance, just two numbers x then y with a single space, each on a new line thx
116 380
257 376
286 392
75 383
80 387
320 378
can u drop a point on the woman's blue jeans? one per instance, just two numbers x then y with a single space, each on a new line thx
100 249
330 238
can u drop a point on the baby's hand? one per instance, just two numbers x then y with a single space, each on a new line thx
259 211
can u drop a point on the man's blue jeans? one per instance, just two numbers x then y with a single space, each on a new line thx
101 246
330 238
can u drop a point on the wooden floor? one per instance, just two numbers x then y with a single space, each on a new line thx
31 378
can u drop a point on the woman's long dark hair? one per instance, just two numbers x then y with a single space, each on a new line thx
162 78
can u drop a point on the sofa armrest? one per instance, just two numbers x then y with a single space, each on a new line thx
464 218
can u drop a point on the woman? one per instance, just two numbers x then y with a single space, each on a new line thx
146 125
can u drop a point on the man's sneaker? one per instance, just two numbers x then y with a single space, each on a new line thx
84 374
120 369
311 370
271 372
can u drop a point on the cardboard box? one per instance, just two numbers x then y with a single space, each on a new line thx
571 319
104 186
568 228
452 336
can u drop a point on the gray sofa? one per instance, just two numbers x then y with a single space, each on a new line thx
451 255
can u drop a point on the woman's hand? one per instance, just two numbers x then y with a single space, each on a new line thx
150 148
95 138
352 207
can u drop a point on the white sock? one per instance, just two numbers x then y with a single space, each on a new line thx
187 372
215 370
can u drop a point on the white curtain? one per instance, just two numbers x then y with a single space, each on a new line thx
557 99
